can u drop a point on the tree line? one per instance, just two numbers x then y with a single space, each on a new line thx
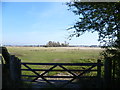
56 44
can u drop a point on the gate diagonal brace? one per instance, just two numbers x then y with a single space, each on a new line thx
67 70
38 75
45 72
87 70
49 70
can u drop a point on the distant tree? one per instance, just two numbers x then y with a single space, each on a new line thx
49 44
56 44
65 44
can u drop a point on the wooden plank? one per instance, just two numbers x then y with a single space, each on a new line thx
68 64
56 70
48 76
60 76
69 76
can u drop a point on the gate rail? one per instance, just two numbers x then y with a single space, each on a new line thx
62 65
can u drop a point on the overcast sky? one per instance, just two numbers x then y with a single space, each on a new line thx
40 22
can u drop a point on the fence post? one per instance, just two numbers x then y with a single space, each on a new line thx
11 65
98 73
1 72
107 72
15 71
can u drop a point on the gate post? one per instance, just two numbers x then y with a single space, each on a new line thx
1 72
15 72
107 72
98 73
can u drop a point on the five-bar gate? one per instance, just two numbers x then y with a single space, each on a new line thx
88 67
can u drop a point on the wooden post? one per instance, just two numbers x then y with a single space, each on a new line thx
11 65
98 73
1 73
15 72
17 69
113 66
6 56
107 72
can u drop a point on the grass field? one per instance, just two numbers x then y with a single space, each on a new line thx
56 54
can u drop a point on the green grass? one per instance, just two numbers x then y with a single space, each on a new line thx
54 55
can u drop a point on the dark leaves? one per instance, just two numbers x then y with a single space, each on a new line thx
101 17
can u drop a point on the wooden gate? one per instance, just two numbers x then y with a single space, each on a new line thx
12 67
88 67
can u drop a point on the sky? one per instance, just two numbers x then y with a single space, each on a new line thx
36 23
